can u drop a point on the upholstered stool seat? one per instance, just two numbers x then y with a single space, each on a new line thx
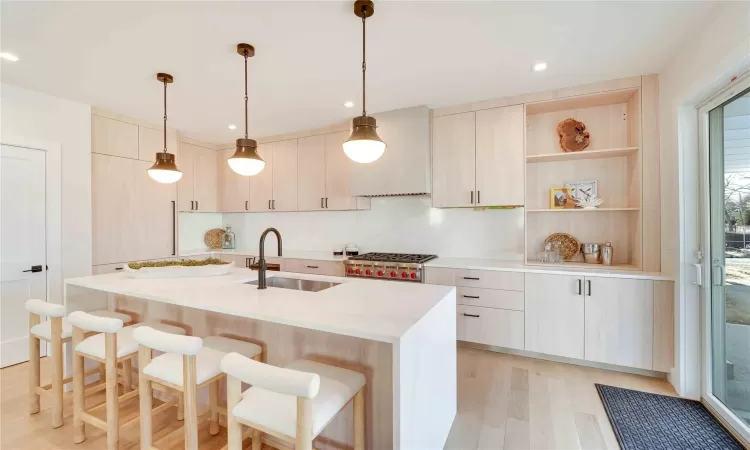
44 329
94 346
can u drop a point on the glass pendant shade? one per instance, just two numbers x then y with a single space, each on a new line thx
164 169
364 145
246 161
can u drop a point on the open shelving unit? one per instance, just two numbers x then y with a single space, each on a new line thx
613 159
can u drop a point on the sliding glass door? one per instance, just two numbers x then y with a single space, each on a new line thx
728 235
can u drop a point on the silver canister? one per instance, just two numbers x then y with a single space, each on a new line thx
591 253
608 254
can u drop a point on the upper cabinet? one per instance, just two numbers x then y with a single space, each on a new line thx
235 188
338 173
311 173
261 185
198 189
285 175
404 168
113 137
478 158
151 142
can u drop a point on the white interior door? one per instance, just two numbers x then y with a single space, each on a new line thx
23 234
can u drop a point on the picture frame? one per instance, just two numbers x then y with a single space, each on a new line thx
583 189
561 198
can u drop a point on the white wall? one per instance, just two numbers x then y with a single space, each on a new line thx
393 224
714 53
35 116
193 226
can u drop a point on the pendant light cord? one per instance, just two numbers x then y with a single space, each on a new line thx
245 94
364 63
165 115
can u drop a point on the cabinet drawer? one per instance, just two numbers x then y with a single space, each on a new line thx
498 327
490 298
101 269
331 268
487 279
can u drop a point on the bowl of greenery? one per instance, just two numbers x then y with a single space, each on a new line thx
208 267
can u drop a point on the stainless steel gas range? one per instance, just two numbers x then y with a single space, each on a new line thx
388 266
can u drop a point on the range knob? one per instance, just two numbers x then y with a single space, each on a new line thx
380 273
404 275
350 270
368 272
393 274
358 271
413 276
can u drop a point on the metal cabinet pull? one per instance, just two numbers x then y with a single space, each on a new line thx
471 315
269 204
579 286
312 267
273 202
326 202
118 268
245 205
588 282
247 262
196 205
471 278
192 206
478 201
174 228
321 202
472 197
470 296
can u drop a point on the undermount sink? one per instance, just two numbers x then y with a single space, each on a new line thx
296 284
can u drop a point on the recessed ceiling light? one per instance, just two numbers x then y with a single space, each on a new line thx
8 56
232 127
349 104
540 66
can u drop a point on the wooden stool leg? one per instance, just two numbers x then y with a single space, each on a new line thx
57 372
79 426
102 372
127 375
145 393
234 428
213 404
257 443
359 420
34 371
191 402
180 406
304 424
113 409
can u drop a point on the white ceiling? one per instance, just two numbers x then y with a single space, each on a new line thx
308 54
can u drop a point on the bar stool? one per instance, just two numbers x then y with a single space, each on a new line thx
113 345
292 404
188 364
56 331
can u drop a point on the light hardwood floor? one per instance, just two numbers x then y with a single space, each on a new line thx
504 402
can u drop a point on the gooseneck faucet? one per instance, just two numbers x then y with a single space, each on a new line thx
262 266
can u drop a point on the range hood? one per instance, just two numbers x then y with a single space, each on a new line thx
404 168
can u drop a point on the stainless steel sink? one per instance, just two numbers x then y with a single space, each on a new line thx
296 284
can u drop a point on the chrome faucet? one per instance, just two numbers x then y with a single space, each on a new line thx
262 266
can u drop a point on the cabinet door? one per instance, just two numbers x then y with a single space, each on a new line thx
500 162
152 222
311 173
235 188
285 175
112 201
261 185
338 172
151 142
555 315
453 160
496 327
206 182
619 321
115 138
185 160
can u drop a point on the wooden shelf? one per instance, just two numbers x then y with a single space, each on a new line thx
583 265
581 210
585 154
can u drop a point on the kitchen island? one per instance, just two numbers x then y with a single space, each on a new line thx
402 336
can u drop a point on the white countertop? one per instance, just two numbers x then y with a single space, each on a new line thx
519 266
369 309
291 254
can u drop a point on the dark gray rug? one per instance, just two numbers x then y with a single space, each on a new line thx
644 421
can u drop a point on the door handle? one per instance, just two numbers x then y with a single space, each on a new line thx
588 284
472 197
312 267
273 202
321 202
471 278
174 228
196 205
478 200
470 296
579 286
34 269
269 204
192 205
245 205
118 268
719 281
471 315
326 202
247 262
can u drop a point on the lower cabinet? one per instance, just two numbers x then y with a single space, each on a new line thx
331 268
555 315
489 326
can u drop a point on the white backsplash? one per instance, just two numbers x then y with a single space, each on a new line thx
394 224
194 225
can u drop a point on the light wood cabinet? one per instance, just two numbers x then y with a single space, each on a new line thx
619 321
490 298
115 138
284 176
151 142
555 315
330 268
486 279
311 173
453 160
488 326
235 188
198 189
500 157
338 173
261 185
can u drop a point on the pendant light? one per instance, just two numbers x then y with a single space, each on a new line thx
246 160
164 169
364 145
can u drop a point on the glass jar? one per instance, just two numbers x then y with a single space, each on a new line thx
227 241
546 255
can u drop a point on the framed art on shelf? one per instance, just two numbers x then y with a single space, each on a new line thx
583 190
561 198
